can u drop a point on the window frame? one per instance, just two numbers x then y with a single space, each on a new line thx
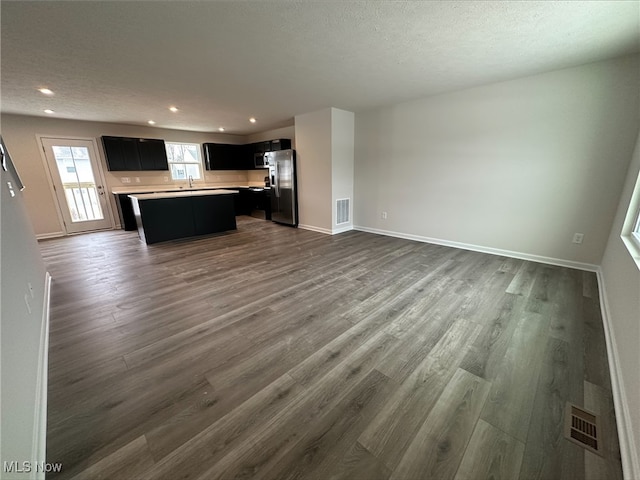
630 234
199 162
635 230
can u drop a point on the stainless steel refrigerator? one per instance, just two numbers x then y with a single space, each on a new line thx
284 195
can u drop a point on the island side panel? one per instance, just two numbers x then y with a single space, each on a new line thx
213 214
165 219
135 208
127 215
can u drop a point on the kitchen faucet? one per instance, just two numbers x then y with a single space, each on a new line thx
190 181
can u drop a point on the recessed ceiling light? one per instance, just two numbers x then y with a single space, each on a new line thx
49 111
252 120
46 91
151 122
221 129
173 109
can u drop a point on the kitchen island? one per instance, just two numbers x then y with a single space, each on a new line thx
182 214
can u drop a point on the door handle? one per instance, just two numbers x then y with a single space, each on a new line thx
277 182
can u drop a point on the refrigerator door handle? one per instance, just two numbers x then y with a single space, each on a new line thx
277 182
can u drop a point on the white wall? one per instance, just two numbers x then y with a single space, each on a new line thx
342 151
313 149
23 333
325 148
622 286
518 165
20 132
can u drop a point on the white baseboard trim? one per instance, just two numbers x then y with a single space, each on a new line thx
326 231
336 231
44 236
39 442
478 248
628 451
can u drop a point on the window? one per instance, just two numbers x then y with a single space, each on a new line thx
631 227
635 233
184 160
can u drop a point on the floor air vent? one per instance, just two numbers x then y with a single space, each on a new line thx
342 211
582 427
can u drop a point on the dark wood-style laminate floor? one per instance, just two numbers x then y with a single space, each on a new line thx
279 353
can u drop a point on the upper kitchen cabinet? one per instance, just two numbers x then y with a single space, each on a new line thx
280 144
271 145
223 156
121 153
153 154
134 154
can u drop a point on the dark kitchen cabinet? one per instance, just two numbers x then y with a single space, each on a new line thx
153 154
213 213
262 147
242 203
223 156
134 154
162 219
121 153
127 217
247 159
280 144
272 145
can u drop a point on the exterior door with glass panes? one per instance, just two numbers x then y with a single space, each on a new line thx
80 192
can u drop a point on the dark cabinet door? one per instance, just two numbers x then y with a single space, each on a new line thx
262 147
216 156
222 156
167 219
153 154
113 153
237 159
213 213
135 154
280 144
246 157
121 153
243 201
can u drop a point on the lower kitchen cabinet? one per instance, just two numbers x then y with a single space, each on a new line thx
214 214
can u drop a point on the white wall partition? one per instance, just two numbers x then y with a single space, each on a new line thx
518 166
621 283
23 336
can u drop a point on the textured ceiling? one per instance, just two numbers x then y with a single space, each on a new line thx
223 62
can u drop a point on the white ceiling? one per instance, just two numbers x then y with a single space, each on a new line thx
222 62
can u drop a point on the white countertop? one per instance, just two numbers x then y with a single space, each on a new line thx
173 188
183 193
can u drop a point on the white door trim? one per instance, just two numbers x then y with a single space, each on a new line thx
99 173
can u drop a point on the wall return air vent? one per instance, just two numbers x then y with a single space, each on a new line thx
342 211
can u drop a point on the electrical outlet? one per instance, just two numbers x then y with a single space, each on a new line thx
384 215
578 237
137 179
125 179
